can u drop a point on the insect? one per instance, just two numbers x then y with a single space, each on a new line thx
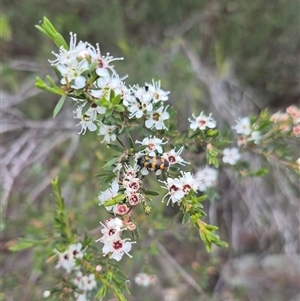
153 163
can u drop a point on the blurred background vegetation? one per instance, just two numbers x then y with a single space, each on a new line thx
232 58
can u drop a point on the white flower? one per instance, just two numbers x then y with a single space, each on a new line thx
109 194
202 122
72 73
175 190
255 137
206 177
152 145
108 83
156 118
231 155
66 259
173 157
138 102
103 61
144 279
106 131
87 123
188 182
243 126
94 110
67 57
157 93
75 250
85 283
117 248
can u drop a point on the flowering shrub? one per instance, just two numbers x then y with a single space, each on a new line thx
105 105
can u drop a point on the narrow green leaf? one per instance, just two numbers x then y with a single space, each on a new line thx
131 143
116 100
150 192
41 29
60 41
59 105
48 26
119 108
115 147
85 108
110 162
121 142
185 218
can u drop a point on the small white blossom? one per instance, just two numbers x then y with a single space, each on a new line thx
206 178
109 194
243 126
152 145
71 74
139 102
107 132
103 61
117 248
173 157
157 93
67 57
66 260
231 155
202 122
156 118
86 121
255 137
144 279
175 190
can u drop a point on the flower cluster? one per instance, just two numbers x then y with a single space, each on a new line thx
113 243
145 280
90 78
84 284
243 127
290 120
179 187
148 101
67 259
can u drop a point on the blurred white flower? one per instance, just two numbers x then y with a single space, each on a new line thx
231 155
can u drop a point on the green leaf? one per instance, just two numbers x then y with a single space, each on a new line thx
185 218
119 108
259 173
111 162
116 200
211 133
150 192
116 100
39 83
26 243
201 198
59 105
131 143
85 108
60 41
115 147
121 142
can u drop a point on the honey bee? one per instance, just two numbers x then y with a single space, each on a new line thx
153 163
